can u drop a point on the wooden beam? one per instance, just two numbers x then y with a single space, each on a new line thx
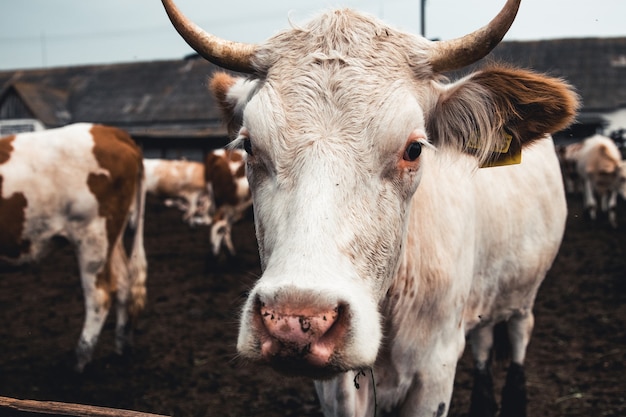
67 409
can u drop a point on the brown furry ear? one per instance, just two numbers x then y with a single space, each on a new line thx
219 84
529 104
494 112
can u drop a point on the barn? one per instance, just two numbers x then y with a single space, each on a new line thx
167 108
164 105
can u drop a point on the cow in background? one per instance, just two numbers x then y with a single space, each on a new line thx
183 185
599 166
229 194
84 183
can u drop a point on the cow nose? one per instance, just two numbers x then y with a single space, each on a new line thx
309 335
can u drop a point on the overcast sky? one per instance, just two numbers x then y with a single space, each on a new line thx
51 33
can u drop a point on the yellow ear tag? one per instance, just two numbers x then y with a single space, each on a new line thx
509 153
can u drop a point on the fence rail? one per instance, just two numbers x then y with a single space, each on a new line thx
66 409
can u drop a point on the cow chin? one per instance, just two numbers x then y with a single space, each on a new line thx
305 366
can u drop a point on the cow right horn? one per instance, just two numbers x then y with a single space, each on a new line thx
458 53
227 54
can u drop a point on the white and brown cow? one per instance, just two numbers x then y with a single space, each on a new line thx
229 194
382 243
598 164
183 185
82 182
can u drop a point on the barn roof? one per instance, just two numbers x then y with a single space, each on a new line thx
161 98
170 98
596 67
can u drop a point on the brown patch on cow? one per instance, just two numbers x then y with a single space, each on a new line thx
219 84
6 147
12 212
218 174
241 171
12 217
116 152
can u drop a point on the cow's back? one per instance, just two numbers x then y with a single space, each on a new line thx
171 177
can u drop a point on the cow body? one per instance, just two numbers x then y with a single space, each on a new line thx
382 242
83 183
229 195
598 164
183 184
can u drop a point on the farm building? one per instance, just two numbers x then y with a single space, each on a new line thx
166 107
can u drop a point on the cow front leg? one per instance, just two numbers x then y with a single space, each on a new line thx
514 399
611 204
589 201
346 395
95 275
483 401
97 304
431 392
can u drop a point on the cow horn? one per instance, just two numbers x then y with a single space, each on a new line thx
227 54
459 52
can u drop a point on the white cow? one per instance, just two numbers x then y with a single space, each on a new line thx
598 164
382 243
82 182
182 183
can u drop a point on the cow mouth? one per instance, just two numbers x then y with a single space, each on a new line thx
303 367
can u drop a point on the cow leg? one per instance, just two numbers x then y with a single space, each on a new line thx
228 240
341 397
192 207
430 394
611 206
92 262
589 202
483 401
119 269
514 400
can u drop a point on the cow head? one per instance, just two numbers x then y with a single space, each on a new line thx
339 119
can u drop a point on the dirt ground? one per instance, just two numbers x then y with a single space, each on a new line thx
184 361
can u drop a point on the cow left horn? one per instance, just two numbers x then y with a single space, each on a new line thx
227 54
459 52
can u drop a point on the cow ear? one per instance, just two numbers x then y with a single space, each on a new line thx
498 110
231 93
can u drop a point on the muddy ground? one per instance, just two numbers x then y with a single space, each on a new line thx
184 361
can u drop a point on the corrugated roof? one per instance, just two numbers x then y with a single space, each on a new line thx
133 96
596 67
171 97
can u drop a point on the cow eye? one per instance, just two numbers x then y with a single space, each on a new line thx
247 146
412 151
